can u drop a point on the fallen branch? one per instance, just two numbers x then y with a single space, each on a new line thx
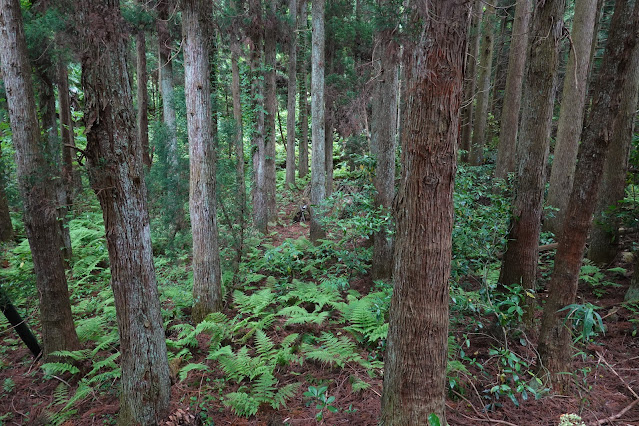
616 416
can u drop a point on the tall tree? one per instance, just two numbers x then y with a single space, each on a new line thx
555 336
571 115
142 96
318 165
239 137
6 227
383 139
66 126
165 58
604 238
260 210
292 92
207 282
416 355
519 265
303 97
470 82
114 158
512 96
270 107
483 95
36 179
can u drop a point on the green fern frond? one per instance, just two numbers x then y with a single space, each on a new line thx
80 394
333 350
358 384
242 404
263 344
283 394
255 303
105 363
299 315
311 293
184 371
107 376
264 388
55 368
60 395
79 355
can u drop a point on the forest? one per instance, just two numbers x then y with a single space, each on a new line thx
293 212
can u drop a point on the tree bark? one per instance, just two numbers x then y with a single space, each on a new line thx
604 238
383 143
555 336
520 260
505 19
260 210
270 106
632 295
168 114
68 140
207 282
292 86
143 97
36 179
512 95
470 82
483 96
6 227
239 141
416 355
318 165
19 324
571 115
303 98
116 173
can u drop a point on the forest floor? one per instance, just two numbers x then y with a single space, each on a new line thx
606 379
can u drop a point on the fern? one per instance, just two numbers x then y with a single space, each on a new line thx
81 393
299 315
54 368
264 388
79 355
283 394
184 371
358 384
242 403
367 324
333 351
311 293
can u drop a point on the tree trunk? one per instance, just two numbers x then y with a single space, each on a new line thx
19 324
318 166
500 57
303 97
270 107
417 351
470 82
512 96
168 114
383 143
207 282
632 295
604 238
239 141
260 212
143 97
6 227
116 173
328 151
520 260
555 336
36 179
69 178
483 96
571 115
292 86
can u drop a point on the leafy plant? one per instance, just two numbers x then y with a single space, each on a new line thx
595 278
586 321
322 400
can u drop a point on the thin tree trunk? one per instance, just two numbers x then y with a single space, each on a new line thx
500 57
483 96
207 283
632 295
19 324
292 86
318 166
470 82
555 336
512 96
6 227
571 115
116 172
383 143
270 107
36 179
260 211
143 97
68 139
168 114
604 238
328 151
239 143
303 98
417 351
520 260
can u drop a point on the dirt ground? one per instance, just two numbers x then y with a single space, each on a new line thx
606 396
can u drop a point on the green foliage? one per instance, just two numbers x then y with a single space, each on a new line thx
333 350
510 381
595 278
433 420
322 400
585 320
